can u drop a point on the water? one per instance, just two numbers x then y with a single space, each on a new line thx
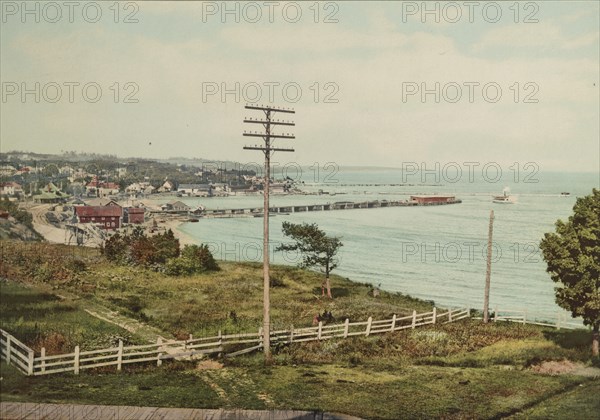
435 253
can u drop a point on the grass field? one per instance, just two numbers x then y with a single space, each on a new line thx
460 370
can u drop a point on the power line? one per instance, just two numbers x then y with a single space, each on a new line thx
268 137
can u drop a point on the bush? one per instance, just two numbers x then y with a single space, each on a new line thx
202 256
193 259
140 249
180 267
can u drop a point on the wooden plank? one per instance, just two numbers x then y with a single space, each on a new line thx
143 346
248 350
93 359
60 363
90 352
21 365
48 372
139 353
97 365
57 356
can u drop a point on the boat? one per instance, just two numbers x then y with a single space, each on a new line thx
565 194
505 198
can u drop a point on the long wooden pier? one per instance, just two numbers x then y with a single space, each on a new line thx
340 205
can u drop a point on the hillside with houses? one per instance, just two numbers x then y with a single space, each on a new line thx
82 199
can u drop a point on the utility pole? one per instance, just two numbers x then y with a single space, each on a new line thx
488 272
268 136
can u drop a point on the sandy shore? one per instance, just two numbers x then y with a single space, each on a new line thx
184 238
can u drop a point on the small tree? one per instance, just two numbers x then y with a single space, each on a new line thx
573 258
317 249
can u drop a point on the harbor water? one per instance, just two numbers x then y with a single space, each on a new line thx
435 253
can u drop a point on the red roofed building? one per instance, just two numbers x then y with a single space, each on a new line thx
106 217
134 215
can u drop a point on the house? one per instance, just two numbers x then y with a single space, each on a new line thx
51 194
7 170
105 217
166 187
134 215
197 190
10 188
101 188
140 187
102 202
175 207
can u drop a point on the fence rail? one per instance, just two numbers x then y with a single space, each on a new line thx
30 363
559 319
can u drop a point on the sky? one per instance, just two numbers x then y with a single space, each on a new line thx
372 83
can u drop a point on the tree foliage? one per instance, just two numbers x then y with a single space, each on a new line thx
572 254
316 248
160 252
193 259
138 249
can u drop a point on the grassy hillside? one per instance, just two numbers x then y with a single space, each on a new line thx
460 370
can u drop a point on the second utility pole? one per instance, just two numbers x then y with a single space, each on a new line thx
268 148
488 271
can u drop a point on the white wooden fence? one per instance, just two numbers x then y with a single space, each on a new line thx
25 359
556 320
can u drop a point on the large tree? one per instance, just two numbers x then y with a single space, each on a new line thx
317 249
573 258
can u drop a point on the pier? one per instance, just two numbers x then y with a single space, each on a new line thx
415 201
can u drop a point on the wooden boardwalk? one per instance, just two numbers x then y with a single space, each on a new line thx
19 411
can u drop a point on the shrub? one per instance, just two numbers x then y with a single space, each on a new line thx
193 259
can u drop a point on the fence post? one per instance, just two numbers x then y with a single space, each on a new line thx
43 355
320 330
449 315
158 343
120 355
260 336
369 321
292 334
76 362
30 356
495 314
191 337
8 349
346 327
414 320
525 317
433 318
393 323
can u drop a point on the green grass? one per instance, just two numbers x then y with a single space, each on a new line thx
582 402
459 370
42 319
